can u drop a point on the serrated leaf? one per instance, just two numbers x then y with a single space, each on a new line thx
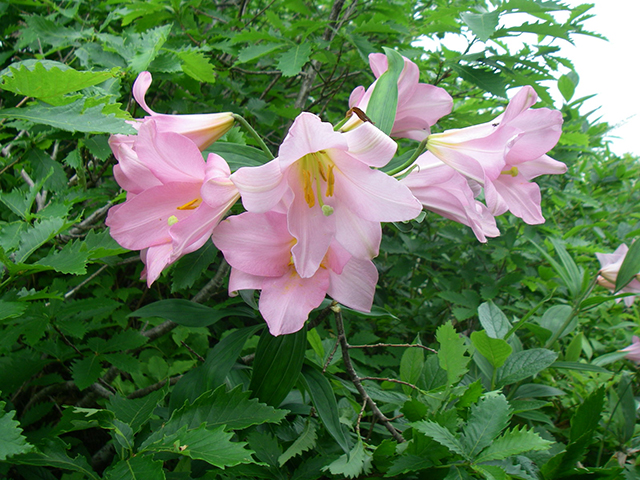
197 66
187 313
484 78
147 46
12 442
71 118
451 353
52 453
487 419
325 403
291 62
352 465
86 371
213 446
630 266
265 446
135 412
441 435
306 441
70 260
524 364
495 350
481 24
491 472
586 417
126 340
493 320
513 442
49 85
140 467
190 267
277 365
256 51
11 309
41 232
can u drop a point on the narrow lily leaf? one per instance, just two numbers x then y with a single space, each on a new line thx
277 365
630 266
189 314
384 99
325 402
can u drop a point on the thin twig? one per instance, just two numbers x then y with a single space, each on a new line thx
143 392
356 380
402 345
364 405
393 380
193 352
333 352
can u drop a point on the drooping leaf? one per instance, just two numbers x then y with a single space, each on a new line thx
12 442
38 235
187 313
383 104
290 63
325 403
277 364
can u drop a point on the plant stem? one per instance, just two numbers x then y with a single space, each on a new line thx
422 147
254 134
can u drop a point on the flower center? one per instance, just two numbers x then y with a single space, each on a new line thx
316 169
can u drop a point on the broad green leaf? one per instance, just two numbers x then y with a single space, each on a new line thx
276 366
290 63
187 313
495 350
487 419
212 445
493 320
567 85
491 472
256 51
383 104
140 467
625 415
630 266
574 349
53 453
12 442
197 66
481 24
11 309
49 85
441 435
357 462
524 364
411 365
190 267
306 441
451 353
586 417
513 442
238 156
135 412
86 371
457 473
72 117
483 77
265 447
325 402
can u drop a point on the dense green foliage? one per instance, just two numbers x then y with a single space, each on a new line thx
517 375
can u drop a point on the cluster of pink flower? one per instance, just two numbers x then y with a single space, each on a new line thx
314 213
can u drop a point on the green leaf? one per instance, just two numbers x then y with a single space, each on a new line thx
238 156
325 402
147 47
12 442
11 309
481 24
484 78
265 446
524 364
72 118
197 66
306 441
491 472
290 63
441 435
513 442
493 320
411 365
140 467
256 51
276 366
586 417
187 313
42 231
451 353
495 350
383 104
49 85
486 420
567 85
213 446
135 412
70 260
357 462
190 267
86 371
53 454
630 266
582 367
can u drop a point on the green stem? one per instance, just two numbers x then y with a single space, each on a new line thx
528 315
253 133
419 151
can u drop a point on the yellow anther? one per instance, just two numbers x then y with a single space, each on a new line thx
330 182
172 220
309 197
513 171
192 205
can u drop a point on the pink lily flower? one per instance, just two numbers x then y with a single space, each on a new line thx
324 182
202 129
446 192
258 248
608 274
504 154
633 350
420 105
175 199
